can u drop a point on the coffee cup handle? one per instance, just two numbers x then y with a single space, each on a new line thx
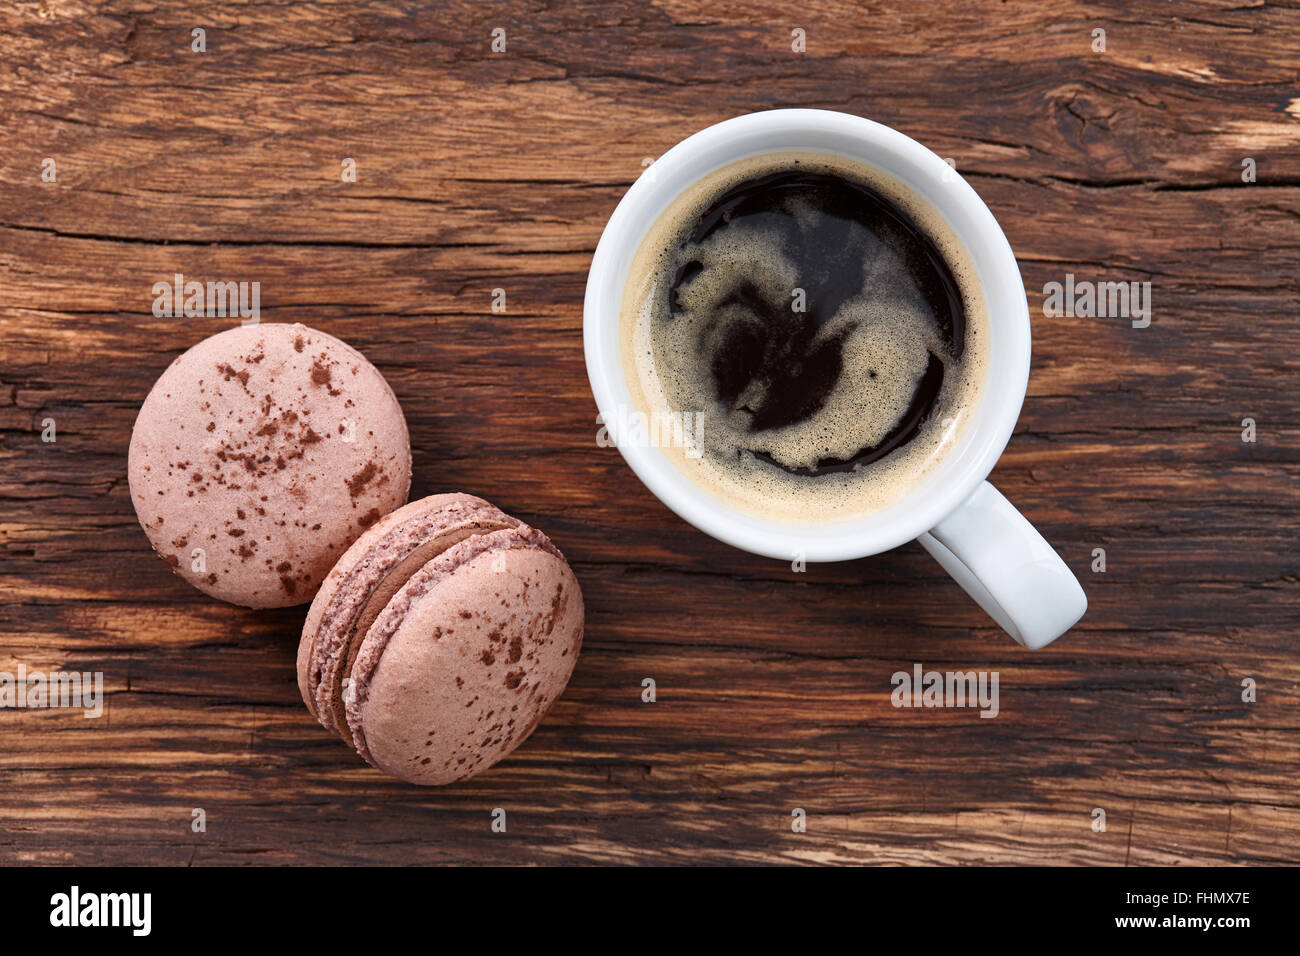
1001 560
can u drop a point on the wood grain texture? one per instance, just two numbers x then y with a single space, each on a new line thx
480 171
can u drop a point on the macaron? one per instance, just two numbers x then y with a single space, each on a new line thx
441 638
260 455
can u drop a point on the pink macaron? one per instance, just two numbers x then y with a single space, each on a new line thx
260 455
441 638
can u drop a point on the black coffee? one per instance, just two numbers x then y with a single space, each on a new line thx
818 327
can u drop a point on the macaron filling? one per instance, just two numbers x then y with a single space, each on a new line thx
441 638
422 583
405 543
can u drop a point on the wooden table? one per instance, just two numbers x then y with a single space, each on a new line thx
479 171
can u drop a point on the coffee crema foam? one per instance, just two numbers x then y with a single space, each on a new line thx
816 415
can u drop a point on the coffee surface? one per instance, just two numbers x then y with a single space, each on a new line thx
823 333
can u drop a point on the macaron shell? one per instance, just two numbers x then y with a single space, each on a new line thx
474 664
360 585
271 447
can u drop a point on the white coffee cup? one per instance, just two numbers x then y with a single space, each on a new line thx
963 521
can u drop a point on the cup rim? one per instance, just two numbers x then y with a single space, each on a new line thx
981 443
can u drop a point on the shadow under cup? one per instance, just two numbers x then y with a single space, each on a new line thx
992 415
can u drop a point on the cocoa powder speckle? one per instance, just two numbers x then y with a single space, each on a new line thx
228 372
357 483
559 604
320 377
